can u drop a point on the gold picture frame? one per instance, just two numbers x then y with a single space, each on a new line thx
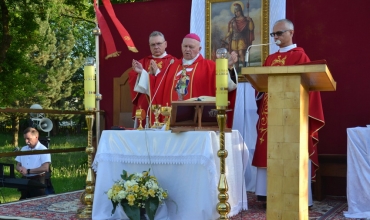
220 19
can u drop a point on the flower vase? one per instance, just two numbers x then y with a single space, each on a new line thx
143 215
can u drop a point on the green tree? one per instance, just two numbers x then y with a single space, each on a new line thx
37 53
43 44
19 32
71 40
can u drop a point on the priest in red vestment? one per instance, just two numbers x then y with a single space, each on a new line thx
193 76
288 54
154 66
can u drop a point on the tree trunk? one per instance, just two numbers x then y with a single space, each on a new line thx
15 129
6 37
55 130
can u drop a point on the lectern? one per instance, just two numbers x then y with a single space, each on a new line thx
287 136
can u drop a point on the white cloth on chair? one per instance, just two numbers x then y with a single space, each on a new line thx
358 172
245 120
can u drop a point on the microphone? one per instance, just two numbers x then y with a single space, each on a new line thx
155 93
254 45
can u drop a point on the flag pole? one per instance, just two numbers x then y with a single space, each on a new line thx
87 197
97 33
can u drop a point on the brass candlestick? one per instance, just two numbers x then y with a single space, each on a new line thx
90 178
223 207
166 112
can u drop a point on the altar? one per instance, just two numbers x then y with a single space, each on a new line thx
186 164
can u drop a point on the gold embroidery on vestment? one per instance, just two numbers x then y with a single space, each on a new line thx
160 64
278 61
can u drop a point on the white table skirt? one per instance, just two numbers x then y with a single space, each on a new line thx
358 172
186 164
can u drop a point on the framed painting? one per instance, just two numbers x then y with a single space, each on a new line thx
235 25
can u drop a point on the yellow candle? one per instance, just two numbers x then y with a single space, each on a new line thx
89 87
89 101
221 97
221 82
89 72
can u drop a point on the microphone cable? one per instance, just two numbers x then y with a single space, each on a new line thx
155 93
151 168
254 45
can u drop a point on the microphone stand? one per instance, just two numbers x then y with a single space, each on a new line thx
147 119
255 45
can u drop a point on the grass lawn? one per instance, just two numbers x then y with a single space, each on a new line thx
69 170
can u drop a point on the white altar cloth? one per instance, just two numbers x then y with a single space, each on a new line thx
186 164
358 172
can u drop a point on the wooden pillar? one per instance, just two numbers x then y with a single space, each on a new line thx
287 148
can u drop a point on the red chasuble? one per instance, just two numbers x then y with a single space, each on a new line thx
139 100
188 81
315 113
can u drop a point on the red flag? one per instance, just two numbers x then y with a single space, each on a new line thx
122 30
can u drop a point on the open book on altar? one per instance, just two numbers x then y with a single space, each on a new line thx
203 98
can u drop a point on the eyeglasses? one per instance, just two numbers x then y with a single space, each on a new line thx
156 44
278 33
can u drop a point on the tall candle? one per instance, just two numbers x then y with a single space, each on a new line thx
221 82
89 87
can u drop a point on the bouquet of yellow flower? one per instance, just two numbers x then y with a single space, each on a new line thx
137 191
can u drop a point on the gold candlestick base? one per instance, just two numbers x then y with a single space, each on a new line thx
90 178
223 207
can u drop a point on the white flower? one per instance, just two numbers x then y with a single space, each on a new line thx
121 195
115 199
109 193
155 186
131 190
151 185
130 183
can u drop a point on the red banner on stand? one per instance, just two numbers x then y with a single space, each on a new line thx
122 30
111 49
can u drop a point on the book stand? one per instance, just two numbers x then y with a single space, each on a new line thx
194 116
